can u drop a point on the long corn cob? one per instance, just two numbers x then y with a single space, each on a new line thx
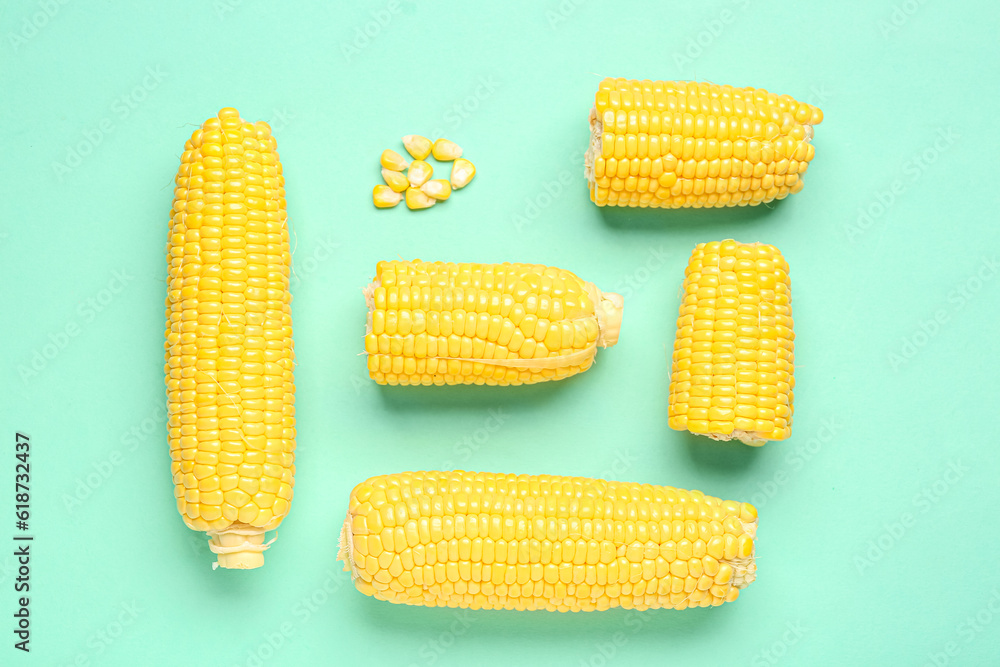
493 541
229 353
497 324
733 359
674 144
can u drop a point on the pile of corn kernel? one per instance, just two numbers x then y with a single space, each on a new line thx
416 185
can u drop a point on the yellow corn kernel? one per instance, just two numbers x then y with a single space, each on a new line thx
444 150
540 542
733 363
462 172
415 199
419 173
393 161
417 146
497 324
439 189
228 349
711 133
385 197
395 180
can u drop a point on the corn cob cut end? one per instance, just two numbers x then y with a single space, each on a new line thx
594 148
745 566
751 438
610 307
239 547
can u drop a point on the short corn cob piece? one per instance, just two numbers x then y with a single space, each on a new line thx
496 324
493 541
229 354
674 144
733 361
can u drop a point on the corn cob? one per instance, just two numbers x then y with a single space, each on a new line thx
733 361
493 541
496 324
673 144
229 353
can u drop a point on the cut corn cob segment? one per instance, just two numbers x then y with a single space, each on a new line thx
445 150
228 350
417 146
393 160
494 541
438 188
674 144
419 173
496 324
385 197
415 199
395 180
733 364
462 172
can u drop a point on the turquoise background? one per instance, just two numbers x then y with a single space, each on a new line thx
878 536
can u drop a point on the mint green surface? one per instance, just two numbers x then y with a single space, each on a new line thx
878 534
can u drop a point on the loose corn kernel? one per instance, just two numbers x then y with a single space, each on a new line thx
417 146
733 362
419 173
462 172
395 180
706 145
493 541
438 189
445 150
228 351
393 161
415 199
496 324
385 197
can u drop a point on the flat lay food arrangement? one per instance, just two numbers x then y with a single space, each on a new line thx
484 540
539 334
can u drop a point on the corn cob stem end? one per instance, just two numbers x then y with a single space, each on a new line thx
745 567
239 547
